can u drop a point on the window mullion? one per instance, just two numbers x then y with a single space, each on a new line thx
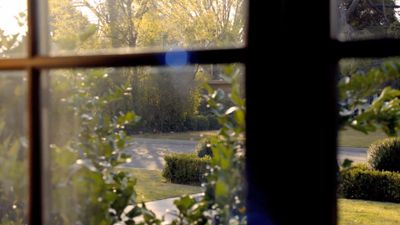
216 56
34 122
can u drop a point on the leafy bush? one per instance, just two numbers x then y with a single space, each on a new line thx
359 182
13 184
225 194
203 148
88 188
385 155
185 168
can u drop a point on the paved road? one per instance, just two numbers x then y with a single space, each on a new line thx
149 153
355 154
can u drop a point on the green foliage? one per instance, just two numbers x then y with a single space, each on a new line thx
86 166
384 111
203 147
358 89
227 183
165 98
225 200
385 155
359 182
13 184
201 122
213 123
185 168
69 28
190 211
92 144
13 150
366 79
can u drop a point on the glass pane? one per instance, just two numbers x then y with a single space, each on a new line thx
369 146
121 26
13 28
13 149
354 19
108 127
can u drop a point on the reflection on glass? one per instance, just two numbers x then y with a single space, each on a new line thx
93 26
366 19
13 149
111 127
13 28
368 145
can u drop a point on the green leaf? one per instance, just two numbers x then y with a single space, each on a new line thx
184 203
240 118
221 189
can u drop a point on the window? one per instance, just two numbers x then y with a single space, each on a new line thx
367 77
95 27
53 44
287 185
127 123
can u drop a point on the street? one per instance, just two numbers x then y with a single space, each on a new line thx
149 153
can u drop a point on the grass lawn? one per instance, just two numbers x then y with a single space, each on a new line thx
190 135
352 138
152 186
360 212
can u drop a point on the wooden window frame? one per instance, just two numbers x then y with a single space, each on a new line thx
287 42
35 61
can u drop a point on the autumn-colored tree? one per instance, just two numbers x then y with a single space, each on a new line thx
69 28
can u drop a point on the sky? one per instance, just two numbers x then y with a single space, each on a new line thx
92 17
9 9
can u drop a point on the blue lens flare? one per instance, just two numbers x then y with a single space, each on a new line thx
177 58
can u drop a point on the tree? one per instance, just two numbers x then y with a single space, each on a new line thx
13 45
367 18
148 23
70 30
199 23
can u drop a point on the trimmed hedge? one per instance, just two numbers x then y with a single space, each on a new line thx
184 168
385 155
213 123
359 182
